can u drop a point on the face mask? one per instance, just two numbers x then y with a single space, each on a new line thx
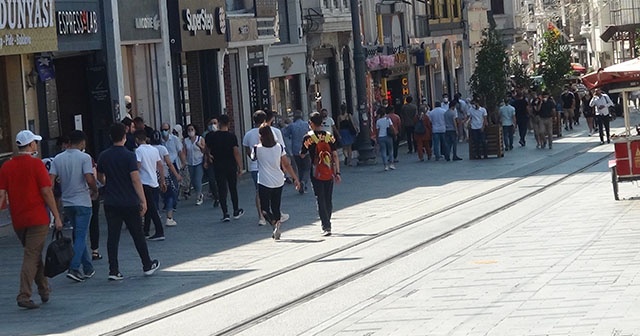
165 133
192 133
213 128
446 100
544 99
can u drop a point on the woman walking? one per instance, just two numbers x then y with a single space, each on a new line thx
588 111
386 131
271 158
194 150
347 133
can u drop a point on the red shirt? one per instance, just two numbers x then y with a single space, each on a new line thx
22 177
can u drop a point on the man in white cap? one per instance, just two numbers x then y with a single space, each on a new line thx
25 182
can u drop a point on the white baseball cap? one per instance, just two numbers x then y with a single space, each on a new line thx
26 137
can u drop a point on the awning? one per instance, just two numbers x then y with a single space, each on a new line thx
578 67
628 71
612 30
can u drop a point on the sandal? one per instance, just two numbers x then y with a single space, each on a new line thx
95 255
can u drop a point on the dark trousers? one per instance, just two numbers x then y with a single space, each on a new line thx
396 143
303 165
152 196
270 199
227 180
522 130
94 227
131 218
408 131
213 185
603 125
507 135
451 144
479 144
324 193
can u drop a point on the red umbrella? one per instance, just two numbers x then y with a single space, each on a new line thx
618 73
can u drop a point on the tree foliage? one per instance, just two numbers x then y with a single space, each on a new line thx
518 75
489 80
555 62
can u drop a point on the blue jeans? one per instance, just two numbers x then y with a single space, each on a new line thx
170 196
451 143
507 135
80 218
386 149
196 173
439 142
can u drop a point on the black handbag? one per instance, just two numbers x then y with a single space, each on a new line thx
59 255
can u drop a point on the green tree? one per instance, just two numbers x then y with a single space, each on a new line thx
489 80
555 61
518 74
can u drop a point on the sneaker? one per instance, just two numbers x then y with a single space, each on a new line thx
89 274
276 233
75 275
326 233
302 188
154 266
28 304
216 203
156 237
284 217
226 218
457 159
171 222
392 167
200 200
268 217
386 168
116 276
262 222
238 214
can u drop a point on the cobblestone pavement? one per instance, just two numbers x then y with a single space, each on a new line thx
203 256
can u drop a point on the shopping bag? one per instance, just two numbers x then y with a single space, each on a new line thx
59 255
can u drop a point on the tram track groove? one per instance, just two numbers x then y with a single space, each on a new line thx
260 279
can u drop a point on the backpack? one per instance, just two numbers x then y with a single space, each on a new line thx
420 129
323 162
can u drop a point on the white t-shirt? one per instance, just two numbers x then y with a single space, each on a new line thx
163 151
270 174
148 156
252 138
327 125
477 117
382 124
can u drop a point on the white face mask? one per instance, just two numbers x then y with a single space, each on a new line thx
446 100
192 133
213 128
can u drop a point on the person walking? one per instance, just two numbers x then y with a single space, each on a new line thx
451 132
171 178
225 155
386 132
150 167
194 148
546 113
602 102
588 111
74 168
272 160
408 115
174 147
251 139
26 186
508 121
348 133
478 122
568 106
395 119
321 147
296 132
438 130
463 117
207 166
422 134
124 201
521 107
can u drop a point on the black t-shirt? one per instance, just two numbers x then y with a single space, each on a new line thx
131 142
220 145
567 100
521 108
117 163
546 109
309 147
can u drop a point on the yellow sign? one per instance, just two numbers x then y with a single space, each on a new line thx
27 26
636 158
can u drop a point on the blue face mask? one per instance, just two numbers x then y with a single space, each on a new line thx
165 133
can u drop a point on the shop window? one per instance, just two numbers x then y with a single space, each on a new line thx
497 6
240 6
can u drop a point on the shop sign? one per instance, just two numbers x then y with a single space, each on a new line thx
77 22
320 68
197 24
242 29
255 56
27 26
140 21
405 86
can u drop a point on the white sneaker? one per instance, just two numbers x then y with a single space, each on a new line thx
393 167
262 222
386 168
171 222
284 217
199 201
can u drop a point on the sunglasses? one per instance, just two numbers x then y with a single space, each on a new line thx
165 129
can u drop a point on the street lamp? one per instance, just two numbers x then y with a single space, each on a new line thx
363 144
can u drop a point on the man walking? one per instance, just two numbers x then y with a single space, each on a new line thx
223 150
296 132
78 185
546 112
451 132
602 102
322 148
124 201
209 172
25 183
150 167
521 107
439 128
177 157
408 115
568 106
508 120
478 122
